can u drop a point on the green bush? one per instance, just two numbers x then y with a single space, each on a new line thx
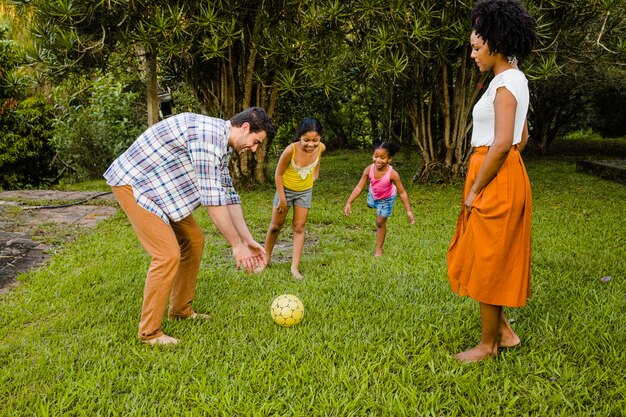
97 120
609 107
26 154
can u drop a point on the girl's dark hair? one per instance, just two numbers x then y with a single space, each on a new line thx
505 26
308 124
390 147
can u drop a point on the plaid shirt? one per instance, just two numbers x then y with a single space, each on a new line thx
177 165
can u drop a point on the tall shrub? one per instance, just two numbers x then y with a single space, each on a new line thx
97 120
25 151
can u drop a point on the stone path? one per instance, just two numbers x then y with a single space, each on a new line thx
614 170
18 251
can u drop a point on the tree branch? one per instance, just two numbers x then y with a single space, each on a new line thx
602 32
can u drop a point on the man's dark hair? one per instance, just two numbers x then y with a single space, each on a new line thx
505 26
258 120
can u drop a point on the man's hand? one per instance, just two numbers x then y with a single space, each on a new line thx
347 210
258 251
249 256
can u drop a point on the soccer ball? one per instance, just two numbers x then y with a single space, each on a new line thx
287 310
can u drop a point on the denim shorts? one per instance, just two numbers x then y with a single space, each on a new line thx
383 207
296 198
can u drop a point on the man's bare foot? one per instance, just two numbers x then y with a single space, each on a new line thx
378 254
161 340
296 274
477 354
198 316
193 316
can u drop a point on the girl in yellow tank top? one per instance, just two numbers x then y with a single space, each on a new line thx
297 170
300 178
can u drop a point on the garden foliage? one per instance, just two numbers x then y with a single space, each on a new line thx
400 71
26 153
95 123
25 125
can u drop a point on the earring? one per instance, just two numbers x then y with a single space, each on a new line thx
512 60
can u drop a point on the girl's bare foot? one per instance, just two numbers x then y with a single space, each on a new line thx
296 274
477 354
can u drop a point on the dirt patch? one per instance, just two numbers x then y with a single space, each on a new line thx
33 222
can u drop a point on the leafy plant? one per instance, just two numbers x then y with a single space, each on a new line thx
96 122
26 153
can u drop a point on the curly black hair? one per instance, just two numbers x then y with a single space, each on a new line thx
505 26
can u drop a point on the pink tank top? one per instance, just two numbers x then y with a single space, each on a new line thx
383 187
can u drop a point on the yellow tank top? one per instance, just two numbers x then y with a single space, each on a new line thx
300 178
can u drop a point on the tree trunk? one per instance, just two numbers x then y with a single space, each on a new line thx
448 141
152 94
420 111
465 95
261 153
149 63
250 167
249 77
457 93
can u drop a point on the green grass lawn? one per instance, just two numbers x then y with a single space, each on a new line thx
378 334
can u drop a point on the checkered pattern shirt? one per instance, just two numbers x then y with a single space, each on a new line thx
177 165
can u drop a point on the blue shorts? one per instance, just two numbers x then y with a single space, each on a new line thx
296 198
383 207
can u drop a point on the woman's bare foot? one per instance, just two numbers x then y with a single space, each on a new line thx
508 338
296 274
161 340
477 354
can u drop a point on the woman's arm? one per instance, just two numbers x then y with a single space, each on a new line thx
505 106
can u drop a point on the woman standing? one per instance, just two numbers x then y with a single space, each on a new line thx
489 256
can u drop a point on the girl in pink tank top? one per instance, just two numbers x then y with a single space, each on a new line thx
385 186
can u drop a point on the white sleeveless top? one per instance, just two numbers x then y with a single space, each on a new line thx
484 114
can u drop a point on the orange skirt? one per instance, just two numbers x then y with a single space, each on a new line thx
489 256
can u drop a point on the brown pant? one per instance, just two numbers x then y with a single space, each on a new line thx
176 251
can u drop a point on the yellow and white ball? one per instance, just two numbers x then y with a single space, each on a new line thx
287 310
